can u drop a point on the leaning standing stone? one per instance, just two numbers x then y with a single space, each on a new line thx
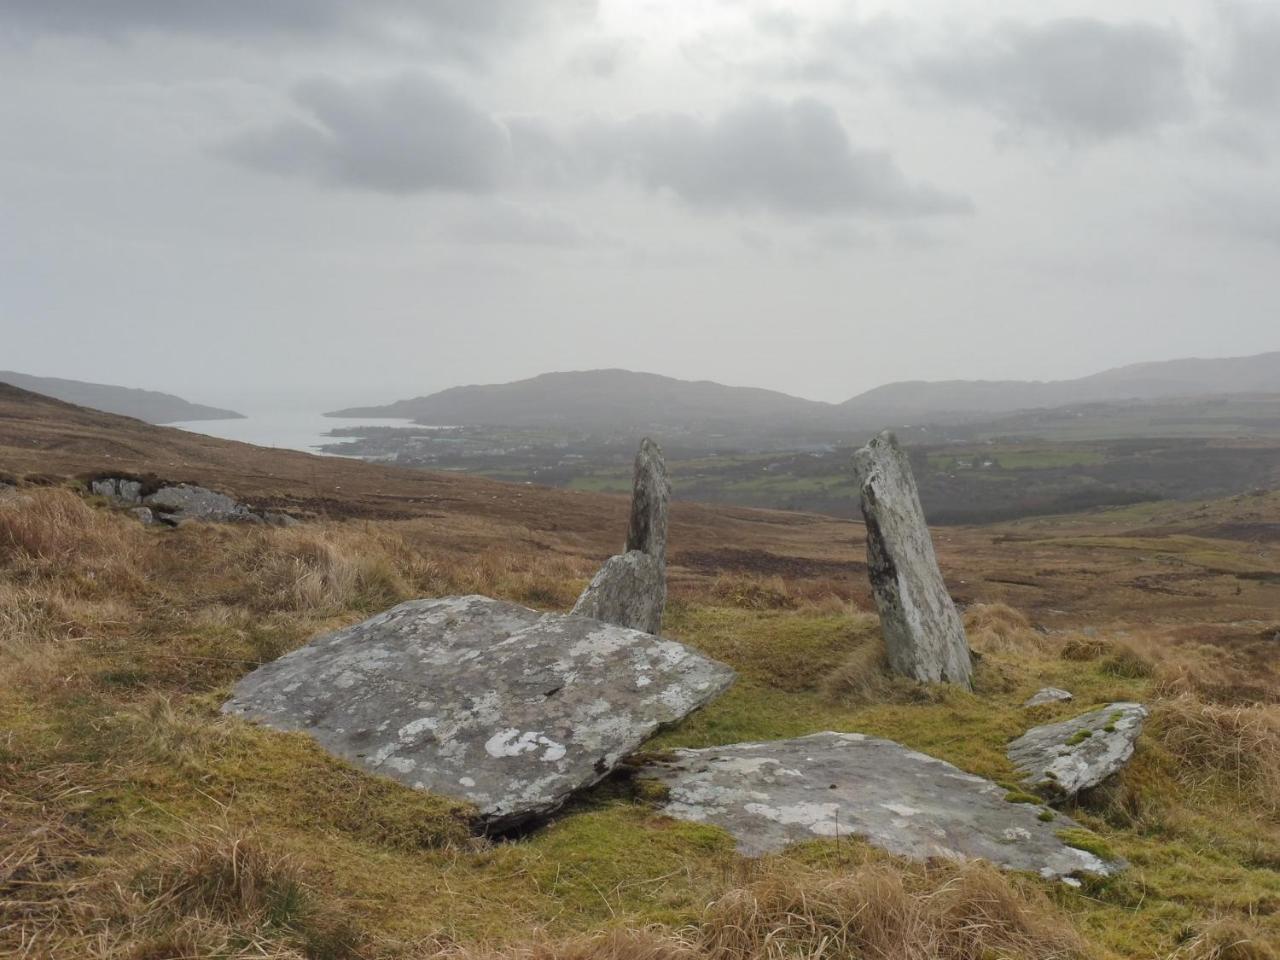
631 589
922 630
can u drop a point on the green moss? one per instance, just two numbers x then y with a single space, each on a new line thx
1080 736
1087 841
1046 816
1018 796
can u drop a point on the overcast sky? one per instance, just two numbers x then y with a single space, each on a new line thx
332 202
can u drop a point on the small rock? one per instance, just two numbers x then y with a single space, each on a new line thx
770 795
273 518
923 632
482 700
118 488
1048 695
1058 760
144 515
630 590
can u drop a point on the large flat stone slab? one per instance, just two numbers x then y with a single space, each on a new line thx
770 795
482 700
1060 759
923 633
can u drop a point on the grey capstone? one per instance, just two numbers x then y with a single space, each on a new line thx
770 795
630 590
1059 760
1048 695
482 700
923 633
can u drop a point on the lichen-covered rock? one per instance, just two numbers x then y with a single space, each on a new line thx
117 488
630 590
482 700
923 633
1059 760
186 501
769 795
1048 695
650 499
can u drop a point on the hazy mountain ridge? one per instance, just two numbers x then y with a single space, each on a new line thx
149 405
617 398
952 399
623 399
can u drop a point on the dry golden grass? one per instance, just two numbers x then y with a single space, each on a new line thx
1215 746
876 911
999 628
1227 938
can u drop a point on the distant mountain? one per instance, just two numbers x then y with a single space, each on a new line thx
145 405
605 399
954 400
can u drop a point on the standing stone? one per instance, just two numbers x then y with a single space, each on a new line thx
631 589
923 632
650 496
482 700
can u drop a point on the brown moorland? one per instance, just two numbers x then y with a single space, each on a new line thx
137 822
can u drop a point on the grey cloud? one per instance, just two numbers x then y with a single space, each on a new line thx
600 58
1078 78
410 135
416 134
447 24
762 154
1252 74
511 224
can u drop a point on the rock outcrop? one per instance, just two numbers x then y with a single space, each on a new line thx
179 502
770 795
482 700
630 590
1058 760
922 630
1048 695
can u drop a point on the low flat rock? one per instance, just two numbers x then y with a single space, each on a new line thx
769 795
482 700
1048 695
188 502
630 590
1058 760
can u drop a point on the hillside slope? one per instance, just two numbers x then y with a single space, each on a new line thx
149 405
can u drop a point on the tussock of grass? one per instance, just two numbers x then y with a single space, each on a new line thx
1220 746
1227 938
999 628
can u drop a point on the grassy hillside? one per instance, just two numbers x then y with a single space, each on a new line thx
149 405
140 823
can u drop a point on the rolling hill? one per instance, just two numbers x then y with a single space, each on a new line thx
623 400
955 400
604 399
148 405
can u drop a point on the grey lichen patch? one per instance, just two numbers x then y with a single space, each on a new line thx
1061 759
770 795
482 700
